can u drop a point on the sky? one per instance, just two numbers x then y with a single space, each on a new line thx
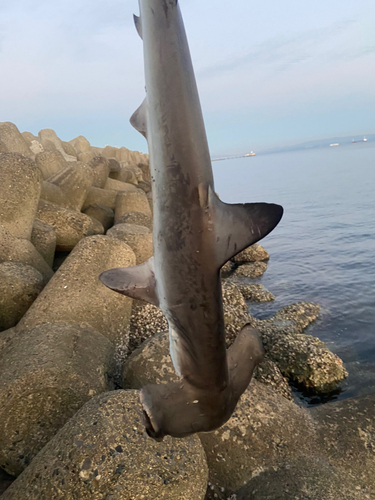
269 73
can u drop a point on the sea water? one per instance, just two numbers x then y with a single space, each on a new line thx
323 250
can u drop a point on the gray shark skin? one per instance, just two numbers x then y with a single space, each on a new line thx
194 235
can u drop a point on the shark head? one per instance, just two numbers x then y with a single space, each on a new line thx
179 408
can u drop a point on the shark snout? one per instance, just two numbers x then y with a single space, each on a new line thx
180 409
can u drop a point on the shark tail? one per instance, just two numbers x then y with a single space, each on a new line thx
179 409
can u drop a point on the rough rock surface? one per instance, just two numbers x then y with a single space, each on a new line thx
252 292
254 253
136 218
346 432
146 320
43 237
20 285
251 270
103 214
269 373
13 140
119 185
131 201
103 452
236 312
75 293
20 250
100 168
106 197
20 187
6 336
264 431
303 479
48 136
139 239
73 182
303 358
47 374
70 226
80 144
50 163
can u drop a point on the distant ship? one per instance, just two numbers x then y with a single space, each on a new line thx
250 154
362 140
335 144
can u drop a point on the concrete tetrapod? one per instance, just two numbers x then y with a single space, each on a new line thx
47 374
103 452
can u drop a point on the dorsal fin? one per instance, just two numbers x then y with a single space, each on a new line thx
139 119
241 225
138 25
137 282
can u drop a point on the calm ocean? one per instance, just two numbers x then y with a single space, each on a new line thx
323 250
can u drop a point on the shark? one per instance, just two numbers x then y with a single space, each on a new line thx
194 235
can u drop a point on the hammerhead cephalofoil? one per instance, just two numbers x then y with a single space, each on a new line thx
194 234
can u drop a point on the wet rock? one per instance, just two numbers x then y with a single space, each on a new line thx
269 374
265 431
72 183
106 197
302 358
20 187
43 237
347 434
20 285
103 452
47 374
100 168
131 201
307 478
50 163
70 226
75 294
103 214
254 253
137 218
252 270
146 320
20 250
13 140
236 312
138 238
80 144
252 292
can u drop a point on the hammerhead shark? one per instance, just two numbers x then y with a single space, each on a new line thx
194 234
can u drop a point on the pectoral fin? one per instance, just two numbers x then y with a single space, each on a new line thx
138 25
241 225
137 282
139 119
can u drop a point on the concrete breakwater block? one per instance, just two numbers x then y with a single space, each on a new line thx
105 215
137 218
20 250
43 237
47 374
70 226
20 187
50 163
20 285
100 169
104 452
106 197
13 140
119 185
75 293
131 201
73 182
139 239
